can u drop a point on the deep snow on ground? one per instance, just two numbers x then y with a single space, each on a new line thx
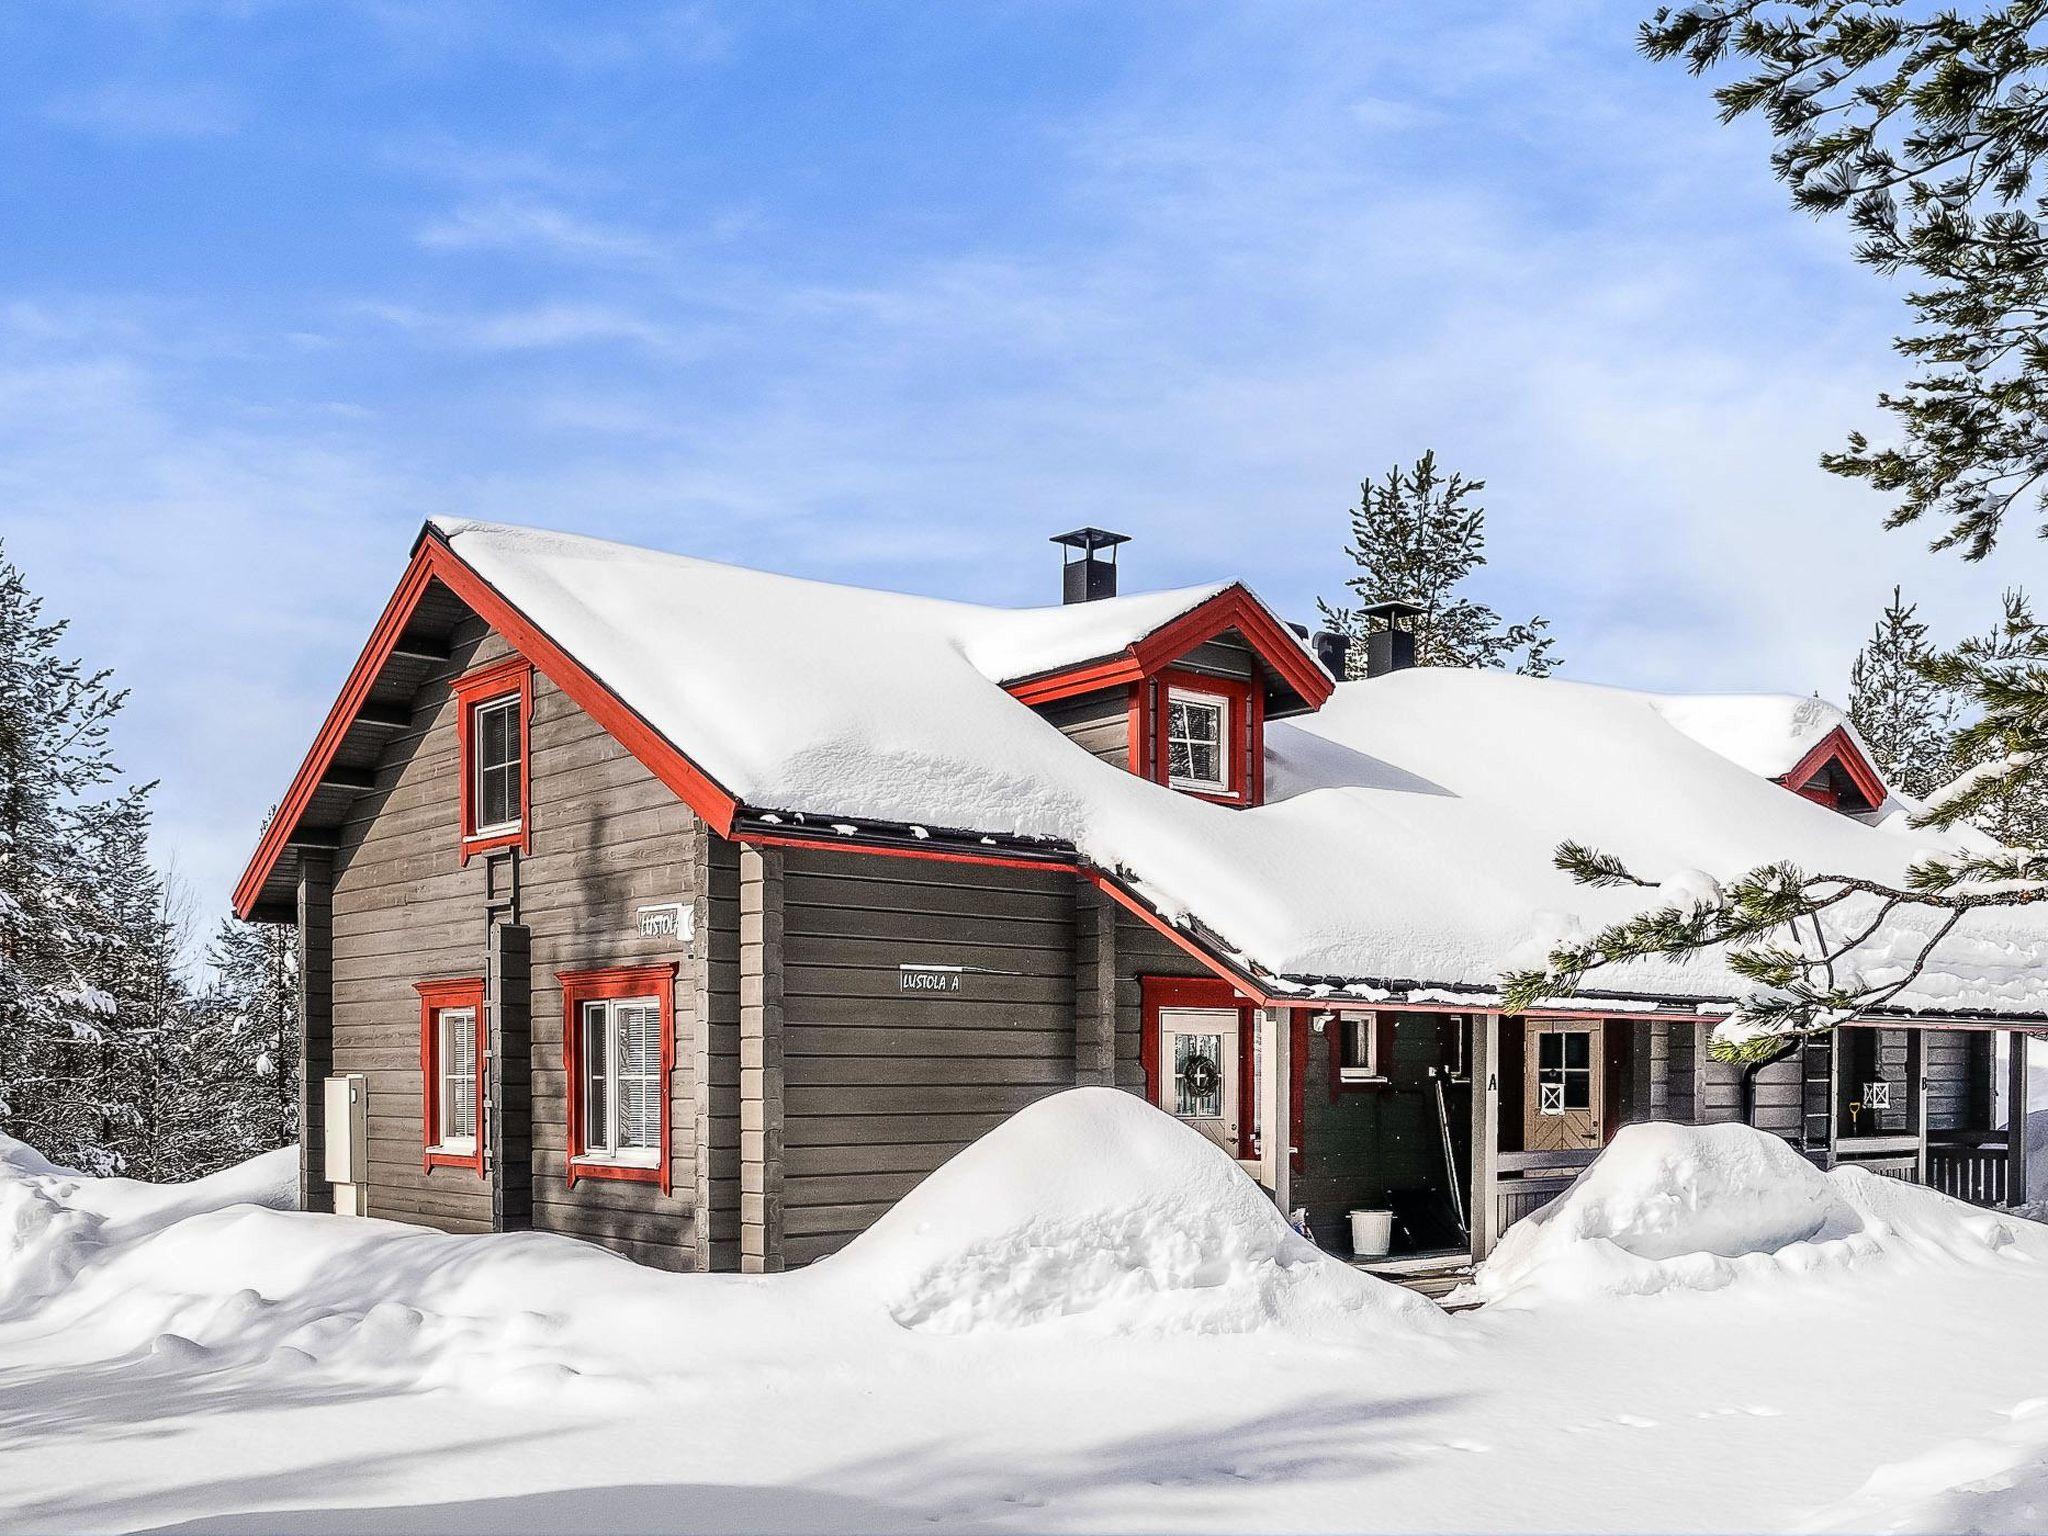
1088 1321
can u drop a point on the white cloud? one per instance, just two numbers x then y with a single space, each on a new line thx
519 225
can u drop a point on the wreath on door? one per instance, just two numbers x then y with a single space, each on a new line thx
1201 1075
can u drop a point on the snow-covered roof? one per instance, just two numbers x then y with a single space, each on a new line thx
1410 827
1767 733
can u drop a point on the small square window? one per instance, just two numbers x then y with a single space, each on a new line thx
1198 741
1358 1046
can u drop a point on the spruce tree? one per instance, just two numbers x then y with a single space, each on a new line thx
248 1038
54 762
1926 127
1904 717
1417 536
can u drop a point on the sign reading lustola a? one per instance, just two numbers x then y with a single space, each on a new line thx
929 978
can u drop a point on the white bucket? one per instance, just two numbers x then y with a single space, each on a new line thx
1372 1233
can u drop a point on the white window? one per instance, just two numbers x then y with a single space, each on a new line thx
455 1051
497 727
1198 741
622 1086
1358 1046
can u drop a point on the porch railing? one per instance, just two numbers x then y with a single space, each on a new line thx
1968 1165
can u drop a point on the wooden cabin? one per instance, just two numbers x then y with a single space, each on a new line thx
701 913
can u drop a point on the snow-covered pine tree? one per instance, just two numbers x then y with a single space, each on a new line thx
248 1038
1905 717
2001 670
1417 536
54 762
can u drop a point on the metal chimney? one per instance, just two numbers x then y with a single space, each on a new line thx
1093 574
1333 650
1389 636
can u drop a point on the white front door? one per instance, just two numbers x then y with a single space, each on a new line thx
1198 1070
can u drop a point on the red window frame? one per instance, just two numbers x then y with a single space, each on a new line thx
609 983
486 685
1247 719
457 992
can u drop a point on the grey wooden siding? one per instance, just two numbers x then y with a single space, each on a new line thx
1959 1066
1099 722
606 836
879 1086
1780 1095
1141 951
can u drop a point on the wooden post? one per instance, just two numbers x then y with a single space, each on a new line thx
508 1000
1916 1099
316 1022
2016 1120
1280 1051
761 1126
1094 988
1702 1062
1485 1131
714 1053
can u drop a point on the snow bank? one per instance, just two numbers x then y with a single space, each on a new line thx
1699 1207
54 1221
1094 1204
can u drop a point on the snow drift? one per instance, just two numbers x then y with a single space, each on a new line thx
1699 1207
1093 1203
54 1221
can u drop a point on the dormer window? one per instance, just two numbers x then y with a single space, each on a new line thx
1198 741
496 705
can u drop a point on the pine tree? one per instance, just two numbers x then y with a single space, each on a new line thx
54 759
1928 132
2000 750
247 1043
1416 537
1905 717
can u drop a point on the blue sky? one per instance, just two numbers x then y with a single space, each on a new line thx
887 294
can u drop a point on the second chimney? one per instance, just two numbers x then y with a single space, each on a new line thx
1093 574
1389 636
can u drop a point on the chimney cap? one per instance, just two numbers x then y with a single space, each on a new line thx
1392 609
1088 540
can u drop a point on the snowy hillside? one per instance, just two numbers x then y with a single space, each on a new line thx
1089 1320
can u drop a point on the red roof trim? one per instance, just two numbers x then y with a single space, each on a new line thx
1840 747
1232 608
433 560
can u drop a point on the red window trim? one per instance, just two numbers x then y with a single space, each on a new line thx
597 985
1149 716
484 685
457 992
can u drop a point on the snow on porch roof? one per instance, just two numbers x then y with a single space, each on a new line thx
1412 820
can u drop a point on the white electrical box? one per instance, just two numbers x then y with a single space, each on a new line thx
348 1129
